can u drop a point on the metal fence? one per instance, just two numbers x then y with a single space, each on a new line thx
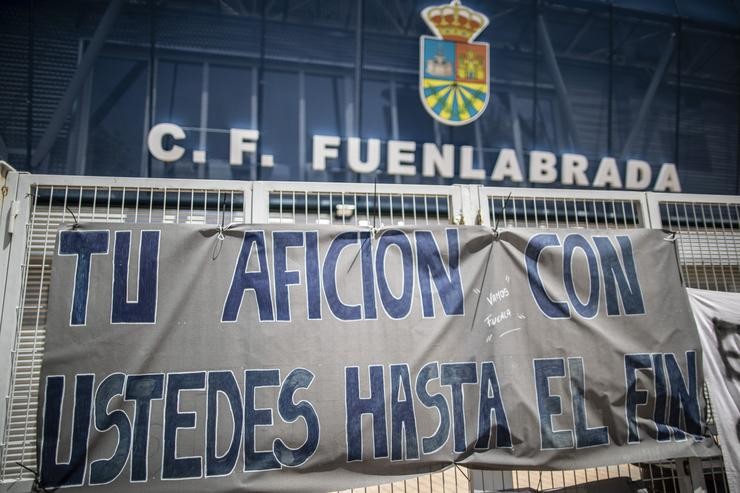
707 230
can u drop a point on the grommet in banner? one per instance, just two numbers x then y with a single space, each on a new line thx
671 237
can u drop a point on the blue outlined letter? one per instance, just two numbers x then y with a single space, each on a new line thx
585 436
549 405
620 281
255 460
106 470
174 467
432 270
537 243
491 402
337 307
684 397
357 406
144 309
258 281
396 308
403 419
440 436
225 383
82 244
142 389
591 307
290 411
635 398
281 241
72 473
456 375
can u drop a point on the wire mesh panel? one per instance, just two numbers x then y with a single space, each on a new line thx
708 240
535 208
366 206
714 475
707 233
556 209
354 204
358 209
50 207
455 479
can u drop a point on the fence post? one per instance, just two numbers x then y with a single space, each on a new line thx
481 202
465 204
651 207
490 481
696 472
15 216
260 206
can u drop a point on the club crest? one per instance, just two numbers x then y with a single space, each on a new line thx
453 71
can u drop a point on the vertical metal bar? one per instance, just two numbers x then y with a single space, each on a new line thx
535 68
302 165
734 245
717 245
359 61
203 137
152 71
29 82
703 250
123 204
610 88
677 138
261 86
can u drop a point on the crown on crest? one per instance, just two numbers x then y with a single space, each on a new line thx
454 21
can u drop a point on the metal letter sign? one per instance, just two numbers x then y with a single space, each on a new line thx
453 72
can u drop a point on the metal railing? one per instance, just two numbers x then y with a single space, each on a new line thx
707 229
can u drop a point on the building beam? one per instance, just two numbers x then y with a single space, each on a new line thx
560 90
698 57
78 80
117 92
647 100
504 13
3 150
579 35
410 17
390 15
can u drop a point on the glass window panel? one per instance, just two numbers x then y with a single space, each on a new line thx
178 93
116 119
326 103
719 11
178 101
708 132
230 93
279 128
376 109
414 123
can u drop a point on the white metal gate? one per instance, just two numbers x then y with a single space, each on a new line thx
33 207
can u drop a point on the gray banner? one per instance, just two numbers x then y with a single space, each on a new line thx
320 358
